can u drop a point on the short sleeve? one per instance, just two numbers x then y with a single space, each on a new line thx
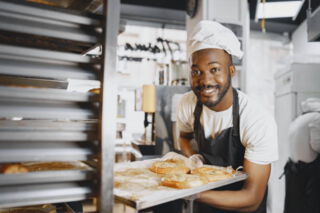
260 139
184 115
314 128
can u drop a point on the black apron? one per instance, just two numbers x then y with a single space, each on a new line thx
302 187
225 149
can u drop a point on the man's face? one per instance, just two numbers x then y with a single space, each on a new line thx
211 75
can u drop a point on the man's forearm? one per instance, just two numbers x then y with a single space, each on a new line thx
241 200
186 146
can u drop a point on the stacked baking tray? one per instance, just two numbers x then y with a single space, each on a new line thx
40 49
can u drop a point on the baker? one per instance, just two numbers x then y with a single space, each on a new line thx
229 128
302 170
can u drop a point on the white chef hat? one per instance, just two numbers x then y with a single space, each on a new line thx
211 34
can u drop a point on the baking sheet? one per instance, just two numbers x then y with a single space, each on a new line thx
143 191
77 172
37 194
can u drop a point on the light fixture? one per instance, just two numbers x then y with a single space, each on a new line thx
149 108
278 9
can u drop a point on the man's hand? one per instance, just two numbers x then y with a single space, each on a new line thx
249 197
175 156
192 162
195 161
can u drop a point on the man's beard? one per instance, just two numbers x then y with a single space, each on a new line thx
221 94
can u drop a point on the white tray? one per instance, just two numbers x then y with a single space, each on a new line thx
145 199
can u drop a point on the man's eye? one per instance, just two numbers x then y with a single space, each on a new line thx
213 70
195 72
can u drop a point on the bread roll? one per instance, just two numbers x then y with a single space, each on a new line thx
212 174
170 166
183 181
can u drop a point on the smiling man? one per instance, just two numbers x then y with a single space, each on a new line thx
230 129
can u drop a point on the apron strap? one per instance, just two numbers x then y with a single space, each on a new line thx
198 130
235 117
235 114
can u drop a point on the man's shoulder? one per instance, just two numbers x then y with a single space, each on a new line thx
251 110
188 98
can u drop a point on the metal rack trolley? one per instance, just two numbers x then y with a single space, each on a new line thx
40 48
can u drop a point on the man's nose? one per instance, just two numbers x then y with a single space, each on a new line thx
207 78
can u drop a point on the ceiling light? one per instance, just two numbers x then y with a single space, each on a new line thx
278 9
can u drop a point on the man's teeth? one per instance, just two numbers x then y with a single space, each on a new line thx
209 90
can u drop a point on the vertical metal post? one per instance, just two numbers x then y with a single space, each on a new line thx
190 202
245 23
108 106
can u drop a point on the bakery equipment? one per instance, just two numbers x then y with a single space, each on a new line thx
152 196
41 48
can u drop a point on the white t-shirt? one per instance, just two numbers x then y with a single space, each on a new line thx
258 130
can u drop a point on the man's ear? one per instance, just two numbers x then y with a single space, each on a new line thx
232 70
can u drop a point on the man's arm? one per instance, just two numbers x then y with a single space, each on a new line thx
185 143
249 197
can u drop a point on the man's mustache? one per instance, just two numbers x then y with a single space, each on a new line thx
201 87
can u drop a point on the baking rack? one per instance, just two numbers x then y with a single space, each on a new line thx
41 47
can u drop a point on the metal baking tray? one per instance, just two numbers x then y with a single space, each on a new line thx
26 195
162 196
81 172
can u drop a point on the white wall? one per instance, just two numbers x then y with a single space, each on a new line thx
267 53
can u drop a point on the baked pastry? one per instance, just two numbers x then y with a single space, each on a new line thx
39 166
212 174
95 90
170 166
13 169
183 181
49 166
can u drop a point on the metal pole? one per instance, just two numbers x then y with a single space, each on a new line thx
108 107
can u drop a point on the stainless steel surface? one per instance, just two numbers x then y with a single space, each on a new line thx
313 26
298 77
56 111
44 29
57 23
46 177
48 125
18 7
47 130
47 136
156 199
45 54
156 15
43 42
44 151
45 70
44 94
108 109
15 196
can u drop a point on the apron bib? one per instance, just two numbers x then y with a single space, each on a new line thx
224 150
302 187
